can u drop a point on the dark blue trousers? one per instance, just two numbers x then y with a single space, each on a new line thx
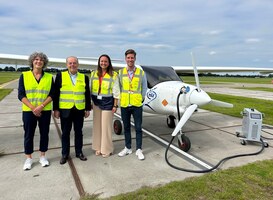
68 118
30 123
126 113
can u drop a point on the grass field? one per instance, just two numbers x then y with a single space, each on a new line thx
239 103
8 76
217 80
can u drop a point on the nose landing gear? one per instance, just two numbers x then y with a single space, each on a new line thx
184 143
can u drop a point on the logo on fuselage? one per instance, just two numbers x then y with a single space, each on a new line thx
151 95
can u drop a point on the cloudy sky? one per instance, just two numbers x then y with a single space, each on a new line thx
163 32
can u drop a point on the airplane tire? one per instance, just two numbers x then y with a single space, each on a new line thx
117 127
186 143
170 121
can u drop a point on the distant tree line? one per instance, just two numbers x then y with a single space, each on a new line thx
228 75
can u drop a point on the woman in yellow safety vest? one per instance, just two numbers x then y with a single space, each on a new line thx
105 93
35 91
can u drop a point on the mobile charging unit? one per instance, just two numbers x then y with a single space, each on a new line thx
251 126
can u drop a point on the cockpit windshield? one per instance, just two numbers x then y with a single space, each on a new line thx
157 75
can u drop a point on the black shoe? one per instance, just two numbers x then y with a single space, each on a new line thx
63 160
81 157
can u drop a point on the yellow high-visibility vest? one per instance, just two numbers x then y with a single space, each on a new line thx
107 84
36 92
131 89
70 94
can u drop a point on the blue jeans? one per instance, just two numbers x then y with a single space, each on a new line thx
126 118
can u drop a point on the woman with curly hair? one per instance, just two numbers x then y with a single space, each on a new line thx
35 91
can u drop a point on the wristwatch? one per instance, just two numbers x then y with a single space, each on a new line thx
116 106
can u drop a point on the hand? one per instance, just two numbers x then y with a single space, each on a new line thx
114 109
56 114
87 113
37 111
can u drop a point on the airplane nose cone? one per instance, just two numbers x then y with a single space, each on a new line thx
200 98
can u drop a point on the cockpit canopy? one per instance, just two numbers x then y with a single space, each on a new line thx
157 75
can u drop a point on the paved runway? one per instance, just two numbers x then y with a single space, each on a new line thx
213 137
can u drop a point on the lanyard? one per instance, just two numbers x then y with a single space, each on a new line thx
131 79
100 81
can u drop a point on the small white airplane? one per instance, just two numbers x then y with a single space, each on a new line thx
167 94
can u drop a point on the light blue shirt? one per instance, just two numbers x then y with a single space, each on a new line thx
73 78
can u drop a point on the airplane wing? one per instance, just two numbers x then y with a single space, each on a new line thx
91 63
189 69
85 62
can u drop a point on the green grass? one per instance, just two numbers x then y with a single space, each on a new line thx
217 80
239 103
4 92
8 76
252 181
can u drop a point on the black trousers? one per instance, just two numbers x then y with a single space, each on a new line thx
30 123
68 118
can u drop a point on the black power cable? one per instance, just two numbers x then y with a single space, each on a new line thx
214 167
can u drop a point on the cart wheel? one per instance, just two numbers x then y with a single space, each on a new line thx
266 145
186 143
237 134
117 127
170 121
243 142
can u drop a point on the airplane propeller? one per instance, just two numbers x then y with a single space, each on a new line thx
187 114
212 101
195 73
198 97
221 103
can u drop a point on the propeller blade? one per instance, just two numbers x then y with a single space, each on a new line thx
221 103
187 114
195 72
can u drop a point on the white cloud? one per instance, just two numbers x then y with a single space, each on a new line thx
252 40
160 31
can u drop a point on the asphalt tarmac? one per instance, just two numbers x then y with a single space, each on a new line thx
212 135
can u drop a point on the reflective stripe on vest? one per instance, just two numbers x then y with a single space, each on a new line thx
36 92
70 94
131 89
106 84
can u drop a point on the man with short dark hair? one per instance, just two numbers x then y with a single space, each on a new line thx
133 87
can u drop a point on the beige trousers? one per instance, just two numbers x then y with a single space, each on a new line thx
102 130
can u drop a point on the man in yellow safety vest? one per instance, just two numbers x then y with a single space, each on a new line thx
133 87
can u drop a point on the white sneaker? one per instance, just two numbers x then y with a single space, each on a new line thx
125 152
28 163
140 154
43 161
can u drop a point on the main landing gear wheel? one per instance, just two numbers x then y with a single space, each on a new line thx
117 127
170 121
186 143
